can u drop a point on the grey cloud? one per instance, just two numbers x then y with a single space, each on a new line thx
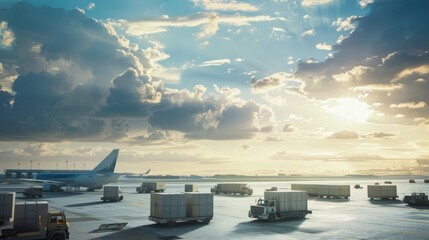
348 134
379 135
289 128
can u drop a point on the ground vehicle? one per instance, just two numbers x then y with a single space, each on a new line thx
112 194
412 181
382 192
148 187
357 186
271 189
33 192
280 205
53 227
52 188
417 199
232 188
387 182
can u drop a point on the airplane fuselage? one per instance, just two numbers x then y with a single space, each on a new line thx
87 179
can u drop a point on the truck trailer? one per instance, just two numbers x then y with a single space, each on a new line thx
232 188
280 205
33 192
169 208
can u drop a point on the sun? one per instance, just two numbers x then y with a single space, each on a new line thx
349 108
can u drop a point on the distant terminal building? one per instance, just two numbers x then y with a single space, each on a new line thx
281 175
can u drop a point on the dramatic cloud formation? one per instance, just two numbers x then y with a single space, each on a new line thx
376 58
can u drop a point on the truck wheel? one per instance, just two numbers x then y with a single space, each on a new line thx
271 218
171 223
206 221
58 237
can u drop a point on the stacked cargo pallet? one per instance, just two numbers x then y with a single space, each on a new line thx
288 201
199 205
30 216
168 205
173 207
191 188
7 206
322 190
382 191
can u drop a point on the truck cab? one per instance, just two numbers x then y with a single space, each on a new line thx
57 226
264 210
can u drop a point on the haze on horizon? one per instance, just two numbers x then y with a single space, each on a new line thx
311 87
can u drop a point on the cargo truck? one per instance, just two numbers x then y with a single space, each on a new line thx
52 188
232 188
33 192
417 199
148 187
112 194
33 221
412 181
169 208
323 190
280 205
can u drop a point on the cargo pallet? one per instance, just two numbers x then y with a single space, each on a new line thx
172 221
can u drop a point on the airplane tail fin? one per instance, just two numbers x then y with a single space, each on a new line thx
108 164
147 172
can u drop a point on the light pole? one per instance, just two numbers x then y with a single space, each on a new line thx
19 165
74 166
84 166
31 164
67 165
38 166
56 165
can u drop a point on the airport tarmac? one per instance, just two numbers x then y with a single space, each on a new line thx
354 218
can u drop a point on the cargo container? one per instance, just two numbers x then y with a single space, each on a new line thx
33 221
280 205
426 181
32 192
232 188
191 188
148 187
169 208
382 192
321 190
412 181
112 194
7 207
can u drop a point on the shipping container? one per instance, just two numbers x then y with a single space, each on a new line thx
112 193
426 181
30 216
323 190
199 205
382 191
147 187
191 188
7 206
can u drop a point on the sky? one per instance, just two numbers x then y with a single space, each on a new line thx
310 87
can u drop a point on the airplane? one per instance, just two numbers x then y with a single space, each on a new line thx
102 174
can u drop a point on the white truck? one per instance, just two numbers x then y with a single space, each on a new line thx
148 187
280 205
232 188
112 194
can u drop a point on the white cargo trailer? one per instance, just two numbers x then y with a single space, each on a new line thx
191 188
29 216
280 205
169 208
147 187
232 188
324 190
382 192
112 194
7 206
